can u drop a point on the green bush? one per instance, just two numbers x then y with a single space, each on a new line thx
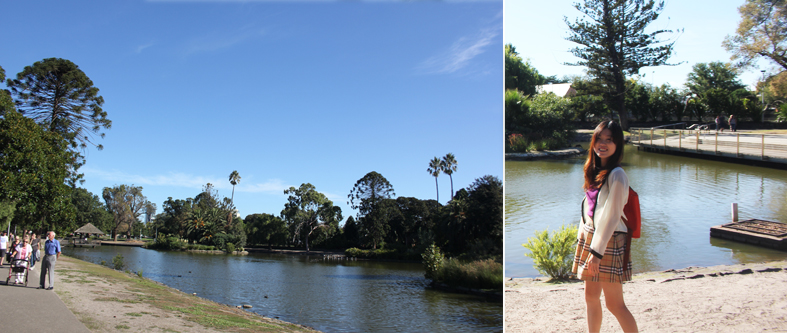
169 242
553 254
117 262
230 247
479 274
433 261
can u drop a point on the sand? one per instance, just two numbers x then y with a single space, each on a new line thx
730 298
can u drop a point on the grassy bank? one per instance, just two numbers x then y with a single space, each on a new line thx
106 300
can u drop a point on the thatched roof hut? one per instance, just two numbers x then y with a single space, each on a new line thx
89 229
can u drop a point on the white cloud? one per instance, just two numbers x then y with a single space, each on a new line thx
177 179
461 53
143 47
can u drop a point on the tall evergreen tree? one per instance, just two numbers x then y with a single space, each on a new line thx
62 99
613 43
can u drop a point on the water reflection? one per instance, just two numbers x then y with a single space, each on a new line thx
681 198
331 296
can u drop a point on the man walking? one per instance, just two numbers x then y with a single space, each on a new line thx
51 254
3 247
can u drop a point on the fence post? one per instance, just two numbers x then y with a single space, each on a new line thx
680 140
738 145
665 138
697 148
716 148
763 147
651 137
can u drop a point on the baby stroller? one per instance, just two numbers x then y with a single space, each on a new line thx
18 266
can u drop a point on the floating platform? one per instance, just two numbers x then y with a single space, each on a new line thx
756 232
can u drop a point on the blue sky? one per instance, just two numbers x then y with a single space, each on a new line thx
284 92
537 30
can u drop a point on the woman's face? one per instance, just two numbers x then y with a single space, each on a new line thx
604 146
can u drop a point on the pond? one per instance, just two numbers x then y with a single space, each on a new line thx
681 198
327 295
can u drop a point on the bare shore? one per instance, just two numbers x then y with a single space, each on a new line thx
728 298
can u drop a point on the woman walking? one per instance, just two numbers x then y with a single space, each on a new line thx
602 232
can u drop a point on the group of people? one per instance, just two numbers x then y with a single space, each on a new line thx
732 121
21 251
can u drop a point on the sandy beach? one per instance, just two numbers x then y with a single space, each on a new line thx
729 298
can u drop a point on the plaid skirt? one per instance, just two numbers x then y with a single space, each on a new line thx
611 268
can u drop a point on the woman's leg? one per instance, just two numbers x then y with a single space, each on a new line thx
593 304
613 297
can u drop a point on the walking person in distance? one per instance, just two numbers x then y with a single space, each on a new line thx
602 231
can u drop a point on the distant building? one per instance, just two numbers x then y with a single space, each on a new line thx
559 89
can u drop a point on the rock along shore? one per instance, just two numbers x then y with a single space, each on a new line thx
547 154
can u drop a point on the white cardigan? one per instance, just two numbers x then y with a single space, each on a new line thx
612 196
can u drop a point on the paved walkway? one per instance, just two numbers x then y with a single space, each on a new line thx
27 309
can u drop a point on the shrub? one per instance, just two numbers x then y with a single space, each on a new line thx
479 274
169 242
230 248
517 143
433 261
117 262
553 254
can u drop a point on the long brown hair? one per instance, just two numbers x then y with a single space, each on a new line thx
595 174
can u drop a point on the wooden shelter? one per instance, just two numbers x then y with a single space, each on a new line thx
89 229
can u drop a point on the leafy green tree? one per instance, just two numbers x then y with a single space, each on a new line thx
351 233
266 228
485 216
175 216
6 102
126 203
762 32
667 103
62 99
520 75
590 102
448 164
434 170
365 196
90 209
613 43
307 210
33 169
713 84
411 218
638 100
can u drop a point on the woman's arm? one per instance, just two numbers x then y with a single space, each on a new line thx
607 222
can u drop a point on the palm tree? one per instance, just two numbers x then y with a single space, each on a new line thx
448 164
234 180
435 167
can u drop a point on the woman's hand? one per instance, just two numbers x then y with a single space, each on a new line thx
592 264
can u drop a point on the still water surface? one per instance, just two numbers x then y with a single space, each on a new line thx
330 296
681 199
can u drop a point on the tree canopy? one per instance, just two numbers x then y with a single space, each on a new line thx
32 174
306 210
613 43
762 32
62 99
519 74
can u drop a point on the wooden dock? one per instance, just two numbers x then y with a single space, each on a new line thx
756 232
768 150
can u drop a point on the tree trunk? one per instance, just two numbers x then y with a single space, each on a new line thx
437 189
